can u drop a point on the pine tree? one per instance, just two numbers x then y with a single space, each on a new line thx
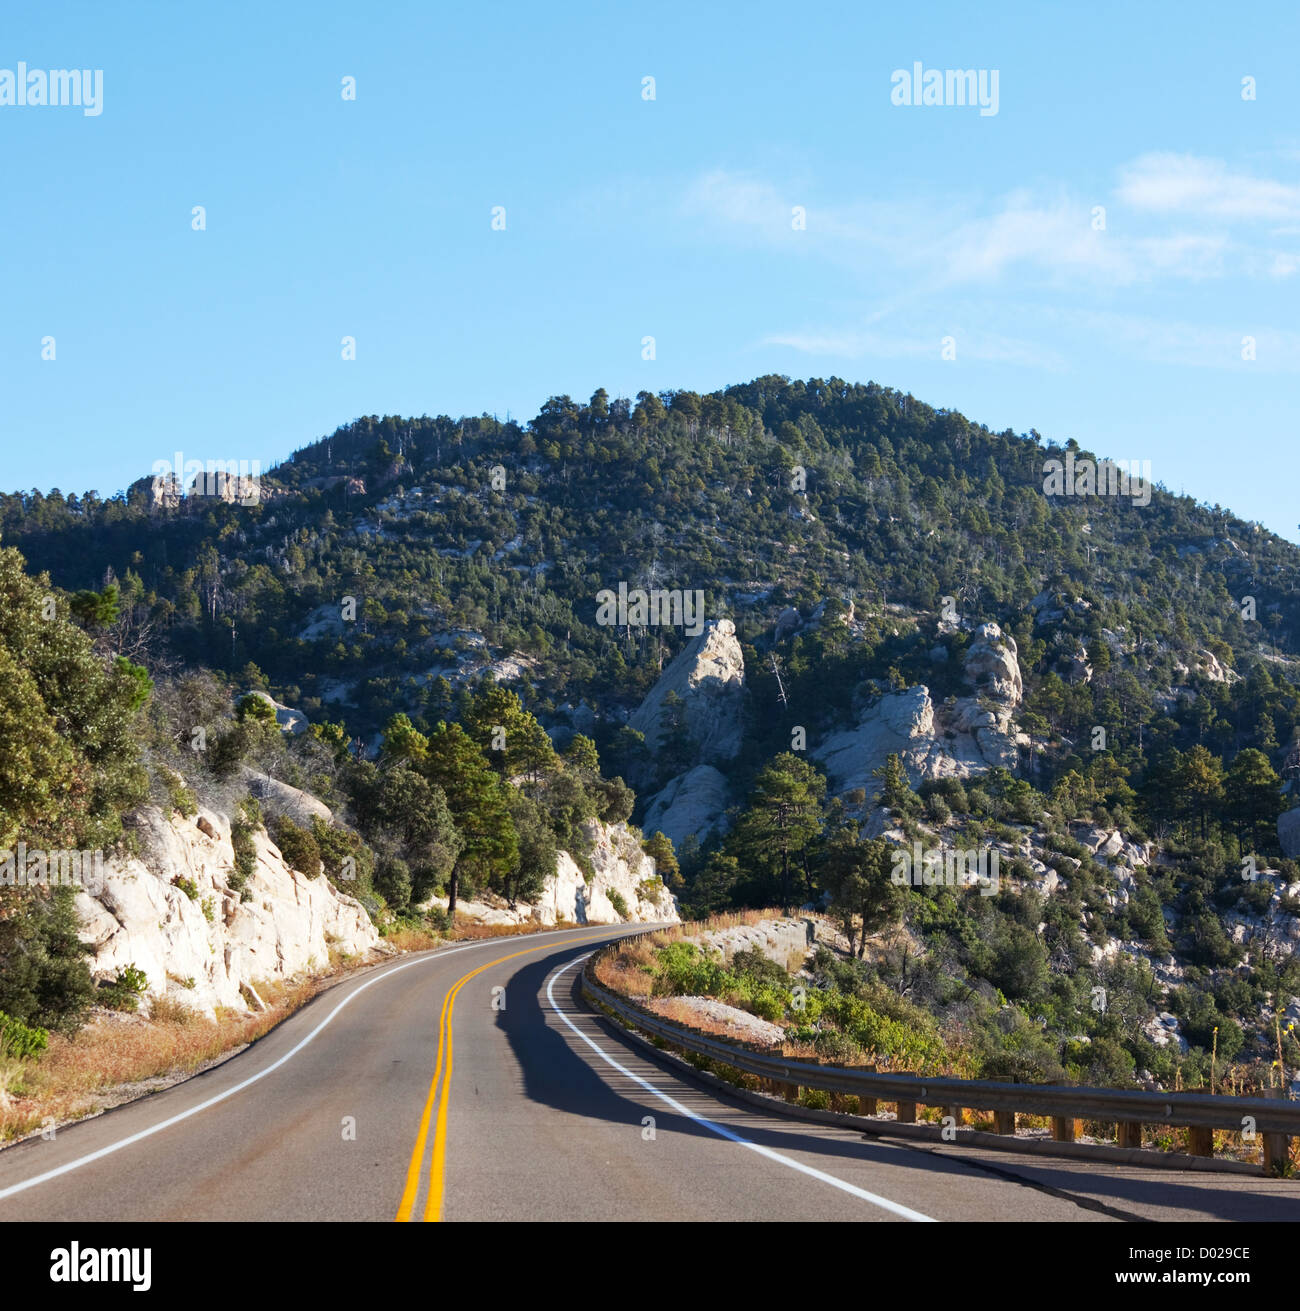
479 802
783 818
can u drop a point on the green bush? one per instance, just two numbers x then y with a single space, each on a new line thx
21 1040
179 796
45 978
337 845
187 886
246 823
123 993
620 905
752 964
836 1046
768 1004
297 846
685 971
937 809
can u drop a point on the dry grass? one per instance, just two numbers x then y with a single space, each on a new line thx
467 931
630 970
117 1057
110 1058
413 940
677 1011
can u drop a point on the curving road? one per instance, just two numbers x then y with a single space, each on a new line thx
471 1083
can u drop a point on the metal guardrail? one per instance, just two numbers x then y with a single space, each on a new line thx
1274 1121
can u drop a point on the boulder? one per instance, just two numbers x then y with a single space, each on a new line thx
787 622
1162 1029
993 667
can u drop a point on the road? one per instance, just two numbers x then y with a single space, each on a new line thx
472 1083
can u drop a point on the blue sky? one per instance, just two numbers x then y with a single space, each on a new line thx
670 218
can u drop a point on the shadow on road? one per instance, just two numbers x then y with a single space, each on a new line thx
558 1070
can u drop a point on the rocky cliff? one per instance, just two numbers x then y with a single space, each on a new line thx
963 736
172 913
691 804
709 676
621 872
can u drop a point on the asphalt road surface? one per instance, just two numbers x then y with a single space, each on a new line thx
472 1083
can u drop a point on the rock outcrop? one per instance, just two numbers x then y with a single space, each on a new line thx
620 871
277 798
783 940
1288 832
693 804
709 677
992 665
172 913
965 736
289 720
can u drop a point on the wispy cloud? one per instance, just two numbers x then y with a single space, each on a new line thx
1166 183
1055 240
920 259
1060 241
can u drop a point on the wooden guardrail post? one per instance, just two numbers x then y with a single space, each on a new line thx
1067 1108
1276 1151
868 1105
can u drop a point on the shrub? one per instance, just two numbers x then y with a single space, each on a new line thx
187 886
246 823
179 795
752 964
297 846
685 971
337 846
836 1046
393 882
620 905
20 1040
768 1004
123 992
45 979
937 809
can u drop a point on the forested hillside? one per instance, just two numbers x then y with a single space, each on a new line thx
394 578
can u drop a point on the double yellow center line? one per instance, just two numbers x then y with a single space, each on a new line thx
442 1075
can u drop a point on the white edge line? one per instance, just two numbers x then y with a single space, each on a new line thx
252 1079
897 1208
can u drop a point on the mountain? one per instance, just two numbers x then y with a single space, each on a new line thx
798 618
